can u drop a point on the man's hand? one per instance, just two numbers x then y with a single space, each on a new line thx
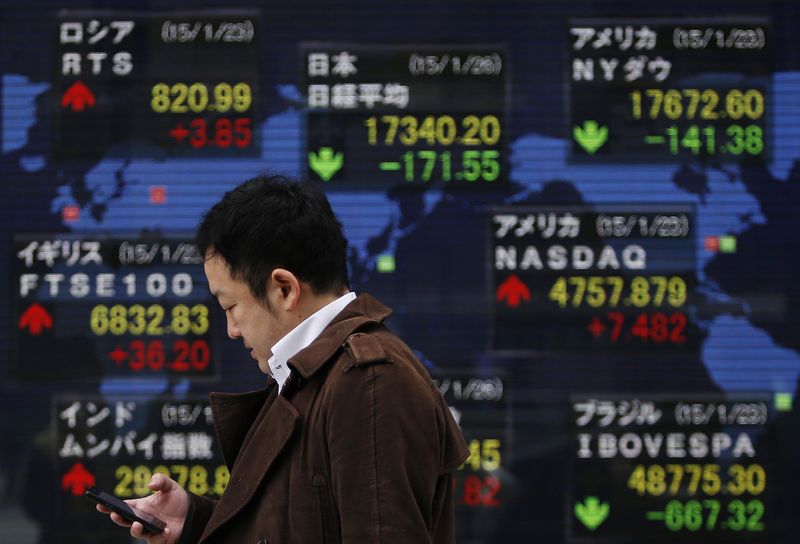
168 502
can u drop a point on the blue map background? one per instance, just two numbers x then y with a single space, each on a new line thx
739 355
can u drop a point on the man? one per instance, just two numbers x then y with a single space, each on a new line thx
350 441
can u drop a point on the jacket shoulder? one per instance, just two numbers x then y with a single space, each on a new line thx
364 349
406 387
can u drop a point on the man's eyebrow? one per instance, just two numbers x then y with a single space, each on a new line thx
217 293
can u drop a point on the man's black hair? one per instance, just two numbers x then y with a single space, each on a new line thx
271 222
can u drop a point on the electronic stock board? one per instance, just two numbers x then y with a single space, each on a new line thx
583 216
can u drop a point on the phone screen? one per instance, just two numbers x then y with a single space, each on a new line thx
150 522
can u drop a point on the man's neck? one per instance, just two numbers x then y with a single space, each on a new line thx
313 302
316 314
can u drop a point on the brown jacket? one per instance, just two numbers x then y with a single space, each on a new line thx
359 447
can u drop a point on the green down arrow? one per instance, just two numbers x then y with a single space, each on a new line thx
591 513
325 163
591 136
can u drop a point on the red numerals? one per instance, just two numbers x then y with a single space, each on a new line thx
185 356
194 356
656 327
222 133
478 491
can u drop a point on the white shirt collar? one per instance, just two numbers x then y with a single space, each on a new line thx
302 335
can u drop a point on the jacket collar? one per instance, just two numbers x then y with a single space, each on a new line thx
234 414
277 420
365 309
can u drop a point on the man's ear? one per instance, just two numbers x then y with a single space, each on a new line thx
284 289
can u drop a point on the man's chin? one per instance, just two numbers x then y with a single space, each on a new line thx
264 367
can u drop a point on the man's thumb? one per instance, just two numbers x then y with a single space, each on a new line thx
159 482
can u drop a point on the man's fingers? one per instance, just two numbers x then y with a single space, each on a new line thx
137 530
119 520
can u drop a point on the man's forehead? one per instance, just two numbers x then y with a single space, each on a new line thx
219 292
216 266
216 272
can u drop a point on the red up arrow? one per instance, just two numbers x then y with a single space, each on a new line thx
512 291
35 319
77 97
77 480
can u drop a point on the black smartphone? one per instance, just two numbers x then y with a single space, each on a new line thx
150 522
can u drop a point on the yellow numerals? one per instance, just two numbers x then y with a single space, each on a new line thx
706 104
196 98
483 455
137 320
746 479
655 480
612 291
433 130
132 481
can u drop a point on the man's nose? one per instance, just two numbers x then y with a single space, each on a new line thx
233 329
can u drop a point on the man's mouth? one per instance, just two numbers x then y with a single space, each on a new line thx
252 351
